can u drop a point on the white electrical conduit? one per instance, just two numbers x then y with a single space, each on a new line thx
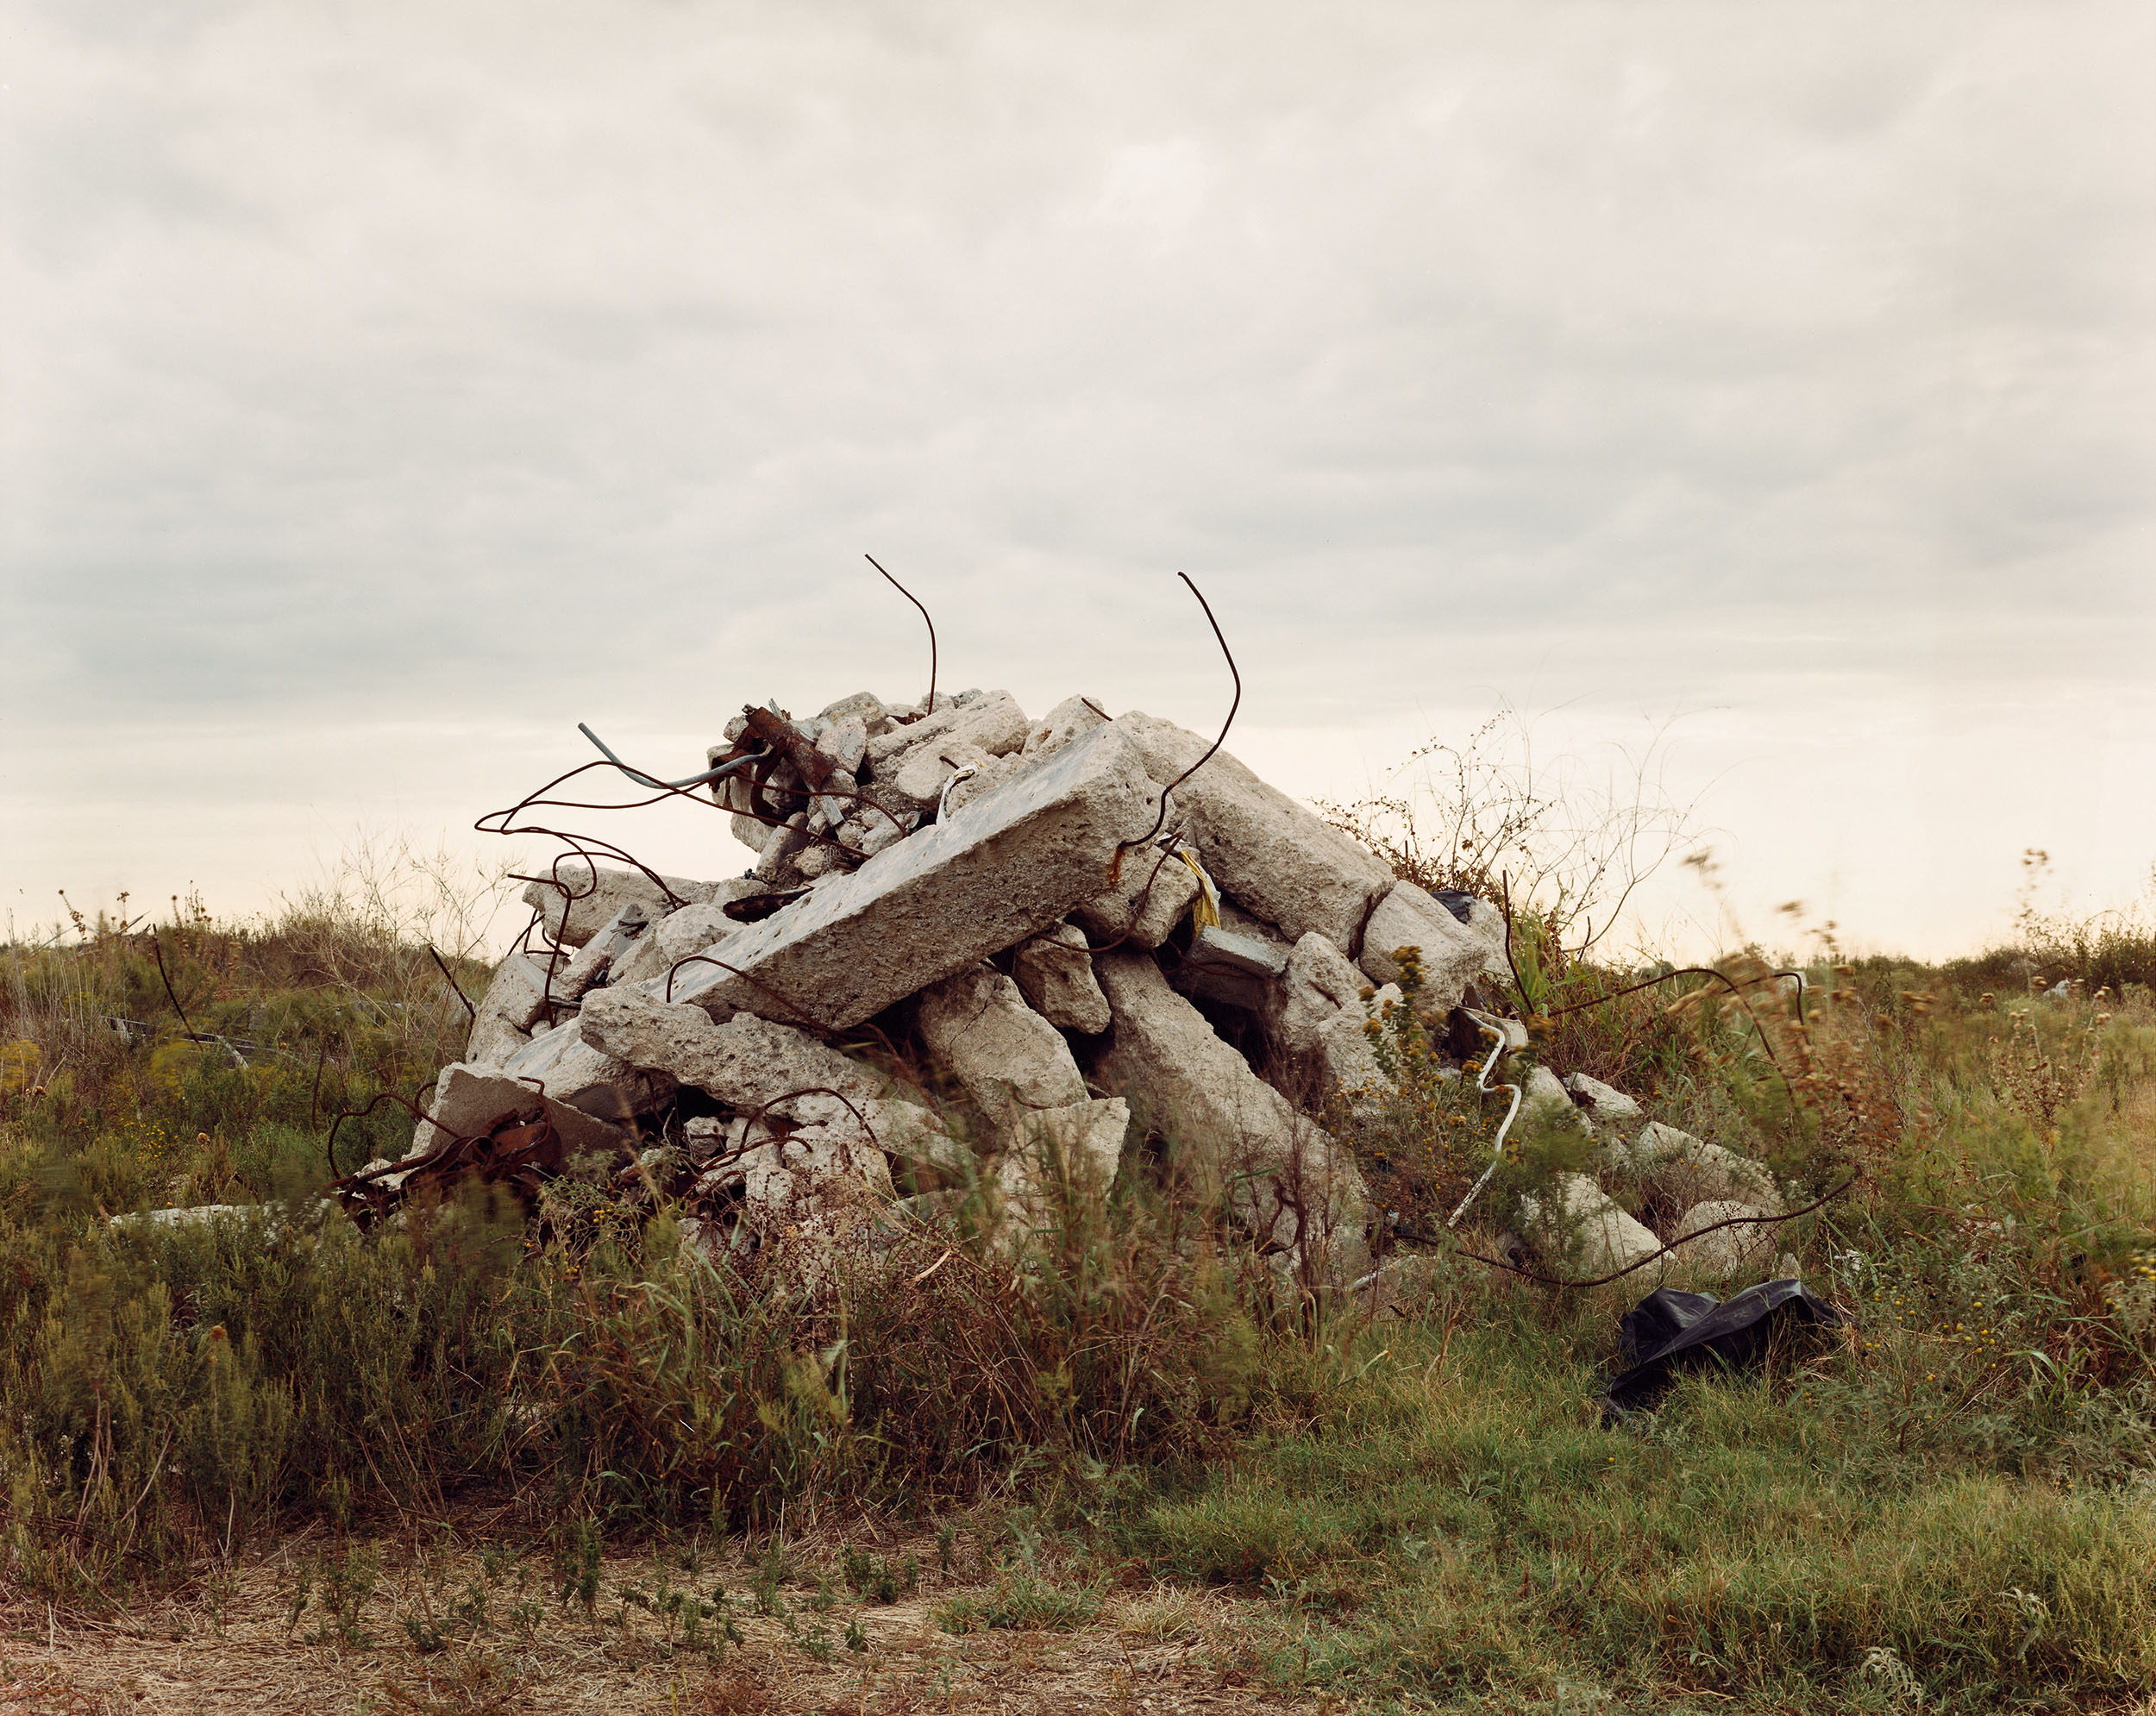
1502 1045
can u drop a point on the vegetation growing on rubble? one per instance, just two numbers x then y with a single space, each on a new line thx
1951 1506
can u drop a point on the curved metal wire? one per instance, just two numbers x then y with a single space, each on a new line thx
643 780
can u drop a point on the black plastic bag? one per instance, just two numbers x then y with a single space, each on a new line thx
1668 1331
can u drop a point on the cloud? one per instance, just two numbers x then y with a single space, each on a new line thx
472 369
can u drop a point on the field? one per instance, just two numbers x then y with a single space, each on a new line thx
268 1462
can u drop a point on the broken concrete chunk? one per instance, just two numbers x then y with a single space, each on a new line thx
578 903
1010 1059
1297 1191
1063 723
864 707
1347 1056
516 992
1453 954
693 929
1542 1099
943 899
1682 1170
1240 971
747 1062
1152 891
1318 984
989 772
1580 1229
1067 1155
1726 1250
560 1065
1270 853
1054 971
920 778
469 1100
493 1041
845 742
869 829
594 961
993 722
1600 1102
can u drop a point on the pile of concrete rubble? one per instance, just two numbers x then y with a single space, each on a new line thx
981 954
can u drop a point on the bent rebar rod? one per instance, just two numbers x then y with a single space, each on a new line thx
1503 1044
642 780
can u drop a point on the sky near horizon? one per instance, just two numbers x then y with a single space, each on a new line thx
386 388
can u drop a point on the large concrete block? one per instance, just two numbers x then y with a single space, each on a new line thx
1286 1178
978 1027
1010 863
746 1062
1275 856
1453 954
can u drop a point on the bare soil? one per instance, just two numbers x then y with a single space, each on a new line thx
233 1642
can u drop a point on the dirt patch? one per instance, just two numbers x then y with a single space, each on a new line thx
316 1627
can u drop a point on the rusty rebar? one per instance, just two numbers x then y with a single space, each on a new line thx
930 707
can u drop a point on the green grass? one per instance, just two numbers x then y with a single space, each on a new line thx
1465 1530
1953 1500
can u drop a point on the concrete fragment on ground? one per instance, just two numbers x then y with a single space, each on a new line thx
1054 972
1453 954
1545 1101
978 1027
942 900
1296 1190
1680 1170
598 895
1147 899
1275 856
1581 1230
1606 1105
1726 1250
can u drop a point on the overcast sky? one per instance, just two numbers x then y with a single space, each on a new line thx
386 388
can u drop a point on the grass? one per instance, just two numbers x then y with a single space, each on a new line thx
1121 1434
